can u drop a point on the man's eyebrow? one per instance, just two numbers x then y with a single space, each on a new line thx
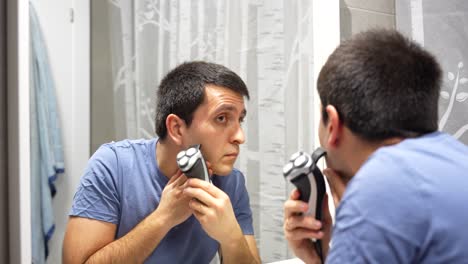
230 108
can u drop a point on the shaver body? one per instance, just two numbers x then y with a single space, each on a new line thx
302 171
192 163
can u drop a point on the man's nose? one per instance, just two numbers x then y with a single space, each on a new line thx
239 137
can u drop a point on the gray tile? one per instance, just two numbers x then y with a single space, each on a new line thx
354 20
345 23
381 6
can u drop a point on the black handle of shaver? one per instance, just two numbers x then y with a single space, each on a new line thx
303 185
321 191
198 170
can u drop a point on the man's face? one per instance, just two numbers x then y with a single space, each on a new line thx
341 145
216 125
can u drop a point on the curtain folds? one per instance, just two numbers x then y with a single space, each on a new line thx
440 26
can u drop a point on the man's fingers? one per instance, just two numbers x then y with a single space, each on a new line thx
294 207
299 221
336 183
175 177
198 206
295 194
199 194
181 179
208 187
208 166
303 233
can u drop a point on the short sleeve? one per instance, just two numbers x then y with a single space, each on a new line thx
97 195
241 205
381 217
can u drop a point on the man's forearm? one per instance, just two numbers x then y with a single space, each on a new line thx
136 246
238 251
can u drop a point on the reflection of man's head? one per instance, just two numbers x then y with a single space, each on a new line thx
203 103
383 85
182 90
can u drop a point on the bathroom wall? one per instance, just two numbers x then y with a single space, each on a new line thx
360 15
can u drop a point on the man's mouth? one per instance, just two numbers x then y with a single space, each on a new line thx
233 154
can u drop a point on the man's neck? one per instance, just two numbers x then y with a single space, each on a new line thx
366 149
166 154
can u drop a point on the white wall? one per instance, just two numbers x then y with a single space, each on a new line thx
68 49
326 39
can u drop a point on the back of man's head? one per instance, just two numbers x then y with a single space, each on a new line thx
182 90
382 85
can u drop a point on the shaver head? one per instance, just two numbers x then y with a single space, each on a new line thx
302 171
192 163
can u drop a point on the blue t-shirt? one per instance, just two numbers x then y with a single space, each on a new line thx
122 184
407 204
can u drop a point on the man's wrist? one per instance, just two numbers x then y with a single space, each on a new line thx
161 221
233 239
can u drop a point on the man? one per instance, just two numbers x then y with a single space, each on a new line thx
134 205
400 187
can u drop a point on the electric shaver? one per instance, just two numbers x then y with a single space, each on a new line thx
192 163
302 171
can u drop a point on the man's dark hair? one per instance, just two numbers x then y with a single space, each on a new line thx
383 85
182 90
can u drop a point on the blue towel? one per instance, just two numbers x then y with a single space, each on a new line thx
46 143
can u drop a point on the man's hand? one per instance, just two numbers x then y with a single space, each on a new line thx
174 204
337 185
299 229
213 209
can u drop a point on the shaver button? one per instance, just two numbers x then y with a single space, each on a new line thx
181 154
300 161
295 155
191 151
287 168
183 161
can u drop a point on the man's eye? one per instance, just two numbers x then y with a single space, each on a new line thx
221 118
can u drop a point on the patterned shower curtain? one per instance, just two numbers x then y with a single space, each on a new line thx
440 26
268 43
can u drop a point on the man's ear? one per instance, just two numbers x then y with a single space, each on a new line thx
175 128
334 126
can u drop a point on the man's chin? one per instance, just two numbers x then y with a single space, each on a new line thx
223 170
